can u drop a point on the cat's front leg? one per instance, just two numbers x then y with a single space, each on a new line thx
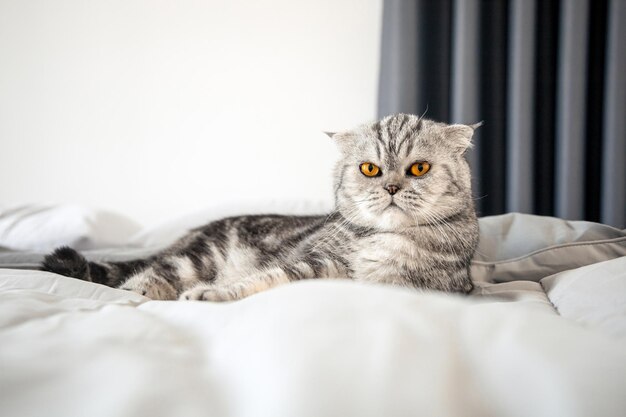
237 290
212 292
321 268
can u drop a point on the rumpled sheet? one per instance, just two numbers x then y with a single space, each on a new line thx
553 347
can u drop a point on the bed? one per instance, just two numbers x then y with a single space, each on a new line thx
542 334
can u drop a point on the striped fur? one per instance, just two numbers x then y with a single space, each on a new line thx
423 236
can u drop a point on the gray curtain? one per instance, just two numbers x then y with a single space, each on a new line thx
548 78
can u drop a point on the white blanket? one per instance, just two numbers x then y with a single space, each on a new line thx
317 348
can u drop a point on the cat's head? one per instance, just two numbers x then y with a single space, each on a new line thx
403 171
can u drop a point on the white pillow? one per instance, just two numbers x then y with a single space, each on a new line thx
45 227
594 295
519 246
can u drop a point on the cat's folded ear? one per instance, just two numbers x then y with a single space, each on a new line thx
343 139
460 135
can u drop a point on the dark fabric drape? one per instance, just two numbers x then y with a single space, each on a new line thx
548 78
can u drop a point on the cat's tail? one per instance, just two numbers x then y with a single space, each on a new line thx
67 261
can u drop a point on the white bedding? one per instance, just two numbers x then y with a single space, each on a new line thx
554 346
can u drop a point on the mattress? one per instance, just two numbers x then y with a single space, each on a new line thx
542 334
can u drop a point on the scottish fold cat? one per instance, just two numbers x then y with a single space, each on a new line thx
404 215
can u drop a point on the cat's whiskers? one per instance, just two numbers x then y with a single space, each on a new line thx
458 235
440 219
437 219
439 227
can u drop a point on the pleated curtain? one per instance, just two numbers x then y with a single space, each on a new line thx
548 78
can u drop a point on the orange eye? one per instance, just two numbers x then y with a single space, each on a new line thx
419 168
369 170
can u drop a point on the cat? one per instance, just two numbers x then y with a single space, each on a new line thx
404 215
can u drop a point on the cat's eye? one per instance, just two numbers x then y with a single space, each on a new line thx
418 169
370 170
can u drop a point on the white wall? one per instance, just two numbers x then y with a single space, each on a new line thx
160 108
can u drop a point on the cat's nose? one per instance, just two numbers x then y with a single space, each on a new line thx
392 188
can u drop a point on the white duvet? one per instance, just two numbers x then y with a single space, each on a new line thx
554 346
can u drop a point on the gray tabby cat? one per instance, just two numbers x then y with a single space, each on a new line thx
404 215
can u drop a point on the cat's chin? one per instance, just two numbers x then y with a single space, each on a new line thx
392 219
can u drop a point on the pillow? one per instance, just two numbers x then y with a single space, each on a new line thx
594 295
519 246
45 227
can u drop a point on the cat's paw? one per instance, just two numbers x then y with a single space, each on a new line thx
208 293
153 288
